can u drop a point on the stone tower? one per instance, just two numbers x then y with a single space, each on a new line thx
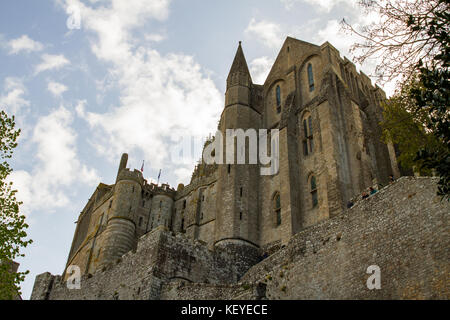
237 217
119 236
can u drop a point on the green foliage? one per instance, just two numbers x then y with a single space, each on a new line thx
12 223
433 94
405 126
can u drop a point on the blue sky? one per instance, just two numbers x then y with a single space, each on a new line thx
134 77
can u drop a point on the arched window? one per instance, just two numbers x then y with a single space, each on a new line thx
278 95
310 77
308 141
313 191
277 209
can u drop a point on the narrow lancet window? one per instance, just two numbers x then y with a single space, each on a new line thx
310 77
308 141
278 94
277 209
314 198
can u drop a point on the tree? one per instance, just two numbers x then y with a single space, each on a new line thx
433 95
412 41
12 223
406 127
400 39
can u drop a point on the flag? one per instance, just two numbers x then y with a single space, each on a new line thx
142 168
159 175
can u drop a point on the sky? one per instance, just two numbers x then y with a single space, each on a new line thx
89 80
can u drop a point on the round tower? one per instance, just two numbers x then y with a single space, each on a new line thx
120 233
161 212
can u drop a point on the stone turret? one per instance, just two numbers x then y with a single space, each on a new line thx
120 233
123 164
237 217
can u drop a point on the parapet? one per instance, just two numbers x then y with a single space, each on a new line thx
155 189
127 174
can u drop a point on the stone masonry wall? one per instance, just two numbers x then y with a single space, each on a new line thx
403 229
160 257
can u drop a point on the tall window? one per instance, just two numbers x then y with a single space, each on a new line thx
314 198
310 78
277 209
308 141
278 94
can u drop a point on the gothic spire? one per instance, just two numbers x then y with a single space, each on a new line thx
239 66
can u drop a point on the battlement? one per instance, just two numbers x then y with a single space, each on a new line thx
154 189
127 174
197 183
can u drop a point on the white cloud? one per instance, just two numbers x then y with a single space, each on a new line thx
12 99
24 43
260 68
269 33
162 97
57 168
320 5
50 62
56 88
154 37
333 33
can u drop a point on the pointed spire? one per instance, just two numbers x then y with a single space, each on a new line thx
239 65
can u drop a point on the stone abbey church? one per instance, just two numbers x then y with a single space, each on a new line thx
139 240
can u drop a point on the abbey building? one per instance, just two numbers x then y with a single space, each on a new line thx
330 151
